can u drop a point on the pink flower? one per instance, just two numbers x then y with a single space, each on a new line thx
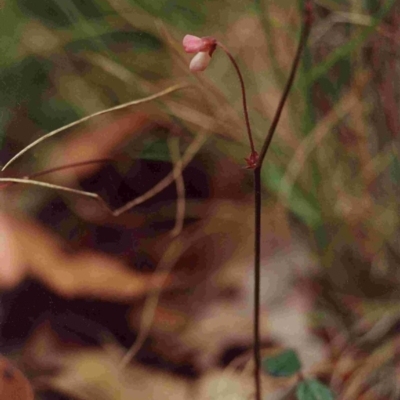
194 44
204 47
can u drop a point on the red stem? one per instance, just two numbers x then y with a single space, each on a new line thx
246 114
257 197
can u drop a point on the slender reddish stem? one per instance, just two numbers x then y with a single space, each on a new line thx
246 113
257 282
258 197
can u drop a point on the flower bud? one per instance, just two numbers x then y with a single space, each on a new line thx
204 47
200 61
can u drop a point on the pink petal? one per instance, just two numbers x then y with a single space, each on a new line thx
200 61
192 44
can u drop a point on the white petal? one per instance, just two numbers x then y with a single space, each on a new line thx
200 61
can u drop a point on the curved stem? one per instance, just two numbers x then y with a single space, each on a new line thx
246 114
84 119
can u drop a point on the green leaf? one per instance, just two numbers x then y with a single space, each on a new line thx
283 364
394 169
53 113
311 389
5 117
24 81
156 150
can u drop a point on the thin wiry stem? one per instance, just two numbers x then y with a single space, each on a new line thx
56 187
60 168
192 149
257 198
69 166
257 281
173 145
246 113
150 306
119 107
190 152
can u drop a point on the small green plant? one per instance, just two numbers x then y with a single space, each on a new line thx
312 389
287 364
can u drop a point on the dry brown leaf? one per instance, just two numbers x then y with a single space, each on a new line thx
217 385
97 142
82 274
42 352
12 269
13 384
238 384
96 374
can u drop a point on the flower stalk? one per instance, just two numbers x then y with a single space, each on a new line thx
254 161
254 155
204 49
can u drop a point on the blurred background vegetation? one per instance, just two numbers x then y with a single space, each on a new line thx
331 185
